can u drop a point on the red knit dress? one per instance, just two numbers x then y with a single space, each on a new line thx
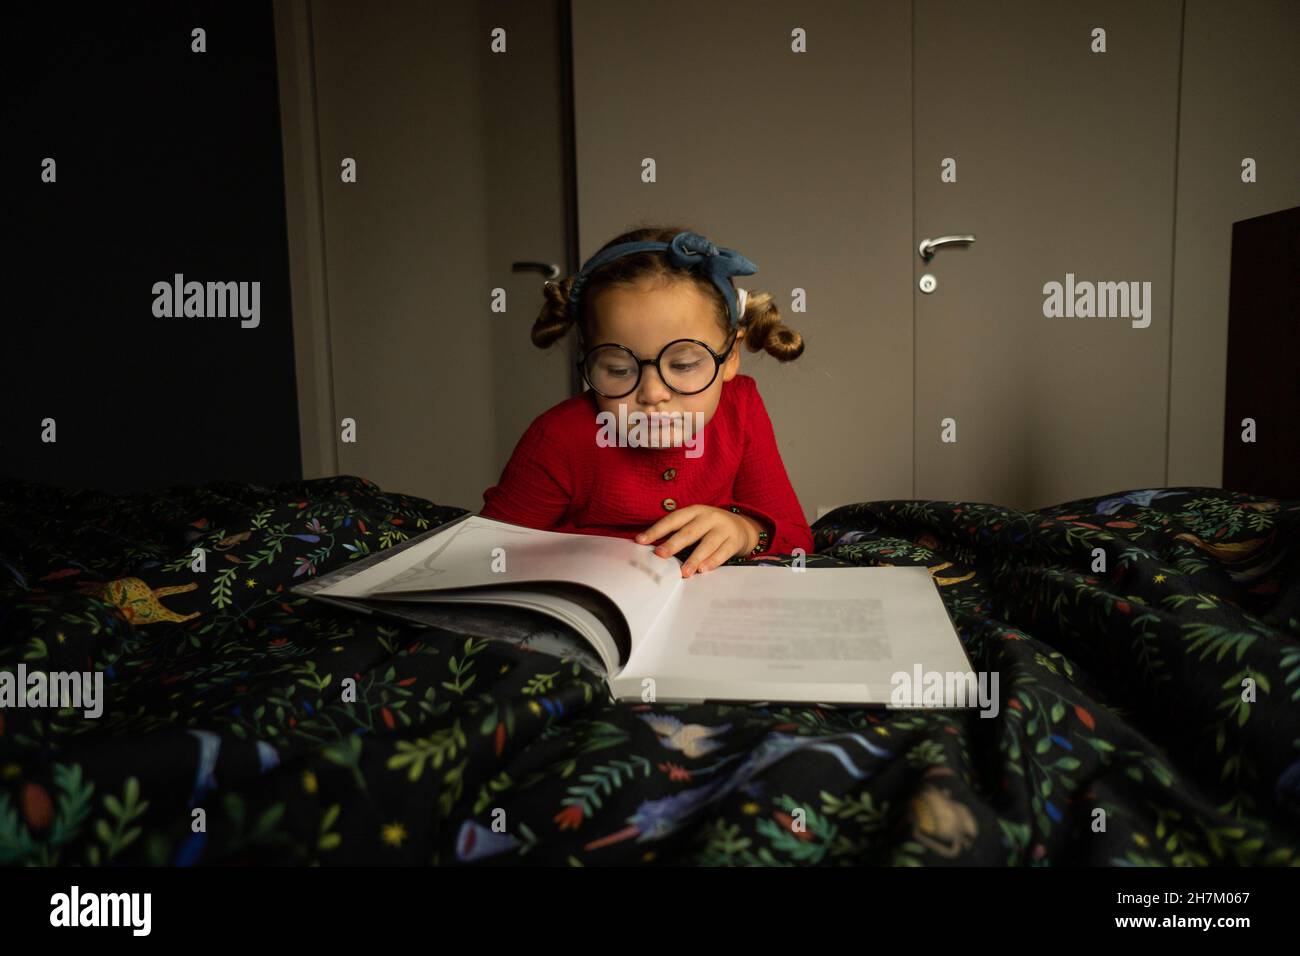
560 479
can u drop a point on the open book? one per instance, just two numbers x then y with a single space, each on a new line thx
746 634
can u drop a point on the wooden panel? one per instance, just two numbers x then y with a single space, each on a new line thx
1064 161
800 161
1263 342
460 156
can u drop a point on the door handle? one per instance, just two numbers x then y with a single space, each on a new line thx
548 269
928 246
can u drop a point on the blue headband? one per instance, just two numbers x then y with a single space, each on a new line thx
688 249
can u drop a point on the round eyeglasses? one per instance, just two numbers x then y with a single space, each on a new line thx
687 366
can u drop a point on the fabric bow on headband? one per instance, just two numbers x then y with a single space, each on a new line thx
688 249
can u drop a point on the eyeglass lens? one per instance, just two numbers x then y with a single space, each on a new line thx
685 366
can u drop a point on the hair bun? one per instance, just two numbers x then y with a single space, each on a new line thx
555 318
762 328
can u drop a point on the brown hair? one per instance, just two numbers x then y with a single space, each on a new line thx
760 327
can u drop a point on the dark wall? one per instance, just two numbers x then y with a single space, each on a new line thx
169 162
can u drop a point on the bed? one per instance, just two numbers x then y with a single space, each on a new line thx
1147 716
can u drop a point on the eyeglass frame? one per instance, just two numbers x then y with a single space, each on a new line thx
642 363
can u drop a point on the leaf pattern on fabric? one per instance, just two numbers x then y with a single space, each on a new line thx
1147 646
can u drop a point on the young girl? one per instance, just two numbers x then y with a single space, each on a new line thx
659 321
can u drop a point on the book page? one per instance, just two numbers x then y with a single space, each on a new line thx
771 633
481 551
556 606
520 627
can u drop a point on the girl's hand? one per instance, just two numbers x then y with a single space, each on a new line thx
721 535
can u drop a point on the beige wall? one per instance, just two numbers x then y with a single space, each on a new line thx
460 157
803 163
808 165
1063 157
1240 90
1071 162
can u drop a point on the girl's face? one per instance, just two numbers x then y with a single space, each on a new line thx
647 317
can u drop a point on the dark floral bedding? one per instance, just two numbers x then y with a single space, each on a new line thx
1147 714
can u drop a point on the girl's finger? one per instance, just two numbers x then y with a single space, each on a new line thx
693 531
730 549
712 546
663 526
